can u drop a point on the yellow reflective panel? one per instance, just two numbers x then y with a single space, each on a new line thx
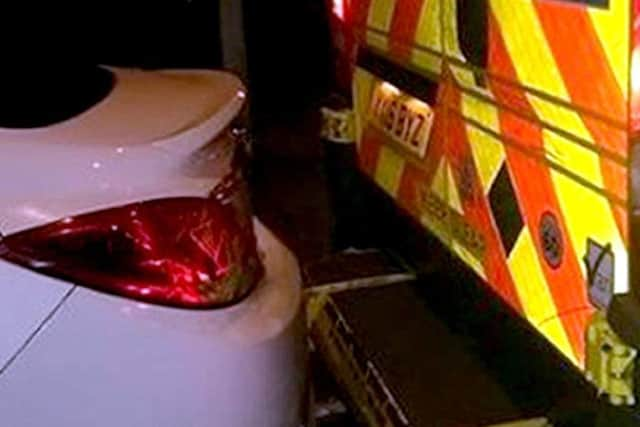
537 301
588 216
608 24
528 46
450 28
440 180
389 170
552 329
560 117
429 36
481 111
379 22
535 65
453 195
569 155
489 155
380 14
488 152
363 84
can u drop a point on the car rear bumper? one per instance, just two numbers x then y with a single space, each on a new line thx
105 361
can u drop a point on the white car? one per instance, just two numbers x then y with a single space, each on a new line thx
131 294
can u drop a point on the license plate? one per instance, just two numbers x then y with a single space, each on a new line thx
403 118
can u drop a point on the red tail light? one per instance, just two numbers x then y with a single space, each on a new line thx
183 252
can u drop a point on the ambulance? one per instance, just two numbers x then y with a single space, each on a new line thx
509 130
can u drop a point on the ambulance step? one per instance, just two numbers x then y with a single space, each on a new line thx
353 269
400 365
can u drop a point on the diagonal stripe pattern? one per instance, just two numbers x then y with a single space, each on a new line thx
519 150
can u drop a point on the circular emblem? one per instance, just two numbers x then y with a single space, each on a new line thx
551 240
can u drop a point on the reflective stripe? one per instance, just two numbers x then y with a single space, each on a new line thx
389 170
380 16
450 29
537 301
428 35
477 211
537 198
609 24
453 196
588 216
554 107
579 56
439 185
527 46
579 60
534 63
405 21
488 153
363 85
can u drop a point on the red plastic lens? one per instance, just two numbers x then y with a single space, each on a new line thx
184 252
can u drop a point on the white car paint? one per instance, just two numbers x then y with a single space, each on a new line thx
131 146
26 298
106 361
76 357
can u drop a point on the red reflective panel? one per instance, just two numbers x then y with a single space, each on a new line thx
184 252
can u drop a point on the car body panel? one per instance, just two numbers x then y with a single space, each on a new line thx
505 108
144 106
134 145
27 299
105 360
101 159
74 356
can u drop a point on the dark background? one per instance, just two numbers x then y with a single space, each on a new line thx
287 42
42 47
141 33
288 49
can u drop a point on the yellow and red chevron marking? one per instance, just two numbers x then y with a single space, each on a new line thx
538 302
610 174
534 287
561 49
546 126
562 61
538 197
403 28
476 207
556 48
